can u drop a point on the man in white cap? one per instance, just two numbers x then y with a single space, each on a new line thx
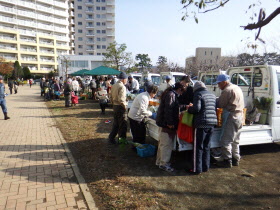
118 95
2 99
232 102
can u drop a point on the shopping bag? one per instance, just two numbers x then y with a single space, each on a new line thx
185 132
187 119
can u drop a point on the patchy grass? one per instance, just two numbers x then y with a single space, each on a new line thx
119 179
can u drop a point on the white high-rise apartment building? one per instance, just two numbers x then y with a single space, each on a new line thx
34 32
92 26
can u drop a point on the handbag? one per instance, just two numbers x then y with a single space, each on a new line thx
187 119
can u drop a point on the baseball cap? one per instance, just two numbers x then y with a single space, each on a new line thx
222 78
168 77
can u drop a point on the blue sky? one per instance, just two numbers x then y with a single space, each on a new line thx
154 27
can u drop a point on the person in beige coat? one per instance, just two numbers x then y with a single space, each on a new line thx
118 96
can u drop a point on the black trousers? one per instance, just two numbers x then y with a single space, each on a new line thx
119 124
138 130
202 149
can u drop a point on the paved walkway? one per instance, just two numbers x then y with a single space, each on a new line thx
35 172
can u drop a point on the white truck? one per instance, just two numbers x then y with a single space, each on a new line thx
136 76
255 81
175 77
154 78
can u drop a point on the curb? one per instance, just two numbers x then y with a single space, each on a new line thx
81 181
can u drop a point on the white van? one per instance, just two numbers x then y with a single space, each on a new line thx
175 77
154 78
136 76
255 81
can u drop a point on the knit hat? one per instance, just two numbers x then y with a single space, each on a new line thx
222 78
122 75
198 85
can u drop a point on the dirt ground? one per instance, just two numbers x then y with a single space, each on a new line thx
119 179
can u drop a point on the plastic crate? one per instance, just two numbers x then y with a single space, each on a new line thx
148 151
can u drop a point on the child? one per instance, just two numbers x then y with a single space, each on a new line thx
74 99
103 100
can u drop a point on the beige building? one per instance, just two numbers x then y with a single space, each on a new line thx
34 32
92 26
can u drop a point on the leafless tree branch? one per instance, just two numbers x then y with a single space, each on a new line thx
221 5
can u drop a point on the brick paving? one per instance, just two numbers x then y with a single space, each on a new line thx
35 172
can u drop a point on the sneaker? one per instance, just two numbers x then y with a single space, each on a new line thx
166 168
108 121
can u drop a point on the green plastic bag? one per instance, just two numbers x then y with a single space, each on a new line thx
187 119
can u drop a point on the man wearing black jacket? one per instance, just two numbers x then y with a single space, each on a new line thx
204 110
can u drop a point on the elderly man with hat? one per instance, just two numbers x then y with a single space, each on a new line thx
118 96
2 99
232 102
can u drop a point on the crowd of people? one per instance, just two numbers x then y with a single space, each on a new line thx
178 97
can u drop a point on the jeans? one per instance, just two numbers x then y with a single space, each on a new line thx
3 105
202 149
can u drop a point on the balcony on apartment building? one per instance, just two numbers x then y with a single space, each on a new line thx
89 19
45 18
62 38
60 4
60 29
46 1
7 47
31 68
27 23
7 19
29 58
9 10
27 32
109 10
47 52
47 60
90 49
46 42
45 9
90 34
6 27
45 26
25 4
24 13
28 40
89 11
61 13
90 26
29 49
8 57
90 42
8 37
47 69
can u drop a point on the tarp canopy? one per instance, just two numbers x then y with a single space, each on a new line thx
80 72
103 70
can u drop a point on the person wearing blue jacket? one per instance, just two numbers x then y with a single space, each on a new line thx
2 99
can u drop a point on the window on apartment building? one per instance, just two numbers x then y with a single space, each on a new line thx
80 31
98 23
103 16
103 39
205 52
80 7
80 23
97 8
80 38
103 53
97 0
90 39
103 31
80 46
98 46
103 8
80 0
90 31
82 64
103 0
103 23
103 46
98 31
98 39
90 8
211 52
90 53
98 16
98 53
89 16
217 57
80 53
80 15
